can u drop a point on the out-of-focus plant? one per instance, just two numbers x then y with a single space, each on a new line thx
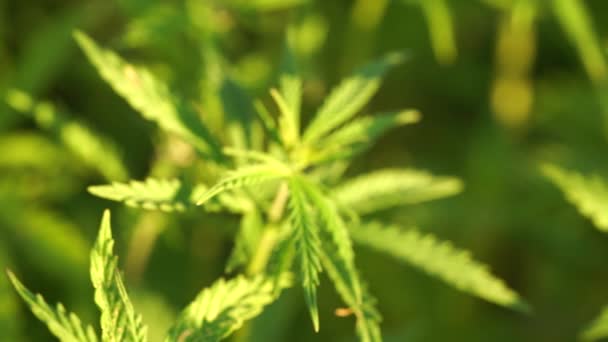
441 28
589 194
39 170
298 212
512 93
213 315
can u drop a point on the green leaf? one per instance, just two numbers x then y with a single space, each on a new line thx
360 133
364 308
151 194
150 97
65 326
291 91
588 194
245 176
119 322
576 21
308 245
95 150
267 122
439 259
337 257
287 127
21 150
387 188
441 27
223 308
239 113
334 229
598 328
350 97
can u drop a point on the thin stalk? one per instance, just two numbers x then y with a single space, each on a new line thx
271 232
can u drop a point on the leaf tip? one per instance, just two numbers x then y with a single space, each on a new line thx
95 190
522 306
9 273
80 37
313 309
105 232
14 280
409 116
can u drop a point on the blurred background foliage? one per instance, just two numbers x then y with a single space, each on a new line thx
503 85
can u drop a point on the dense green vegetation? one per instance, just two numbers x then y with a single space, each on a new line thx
421 170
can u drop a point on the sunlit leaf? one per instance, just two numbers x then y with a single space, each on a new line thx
350 96
308 245
119 322
440 259
588 194
151 194
64 325
222 308
576 21
387 188
245 176
150 97
598 329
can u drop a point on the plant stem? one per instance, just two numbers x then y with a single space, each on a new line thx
264 249
271 232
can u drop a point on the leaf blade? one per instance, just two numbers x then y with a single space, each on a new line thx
588 194
245 176
350 96
439 259
387 188
598 328
119 322
308 245
151 194
150 97
221 309
65 326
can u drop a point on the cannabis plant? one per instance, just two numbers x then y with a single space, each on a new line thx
300 214
589 194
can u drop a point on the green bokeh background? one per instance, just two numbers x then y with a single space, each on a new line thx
509 216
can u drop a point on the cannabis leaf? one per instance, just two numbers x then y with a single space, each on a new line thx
223 308
349 97
246 176
65 326
387 188
441 27
119 322
355 136
337 257
150 97
308 244
588 194
352 291
95 150
576 22
439 259
350 287
290 92
598 328
151 194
